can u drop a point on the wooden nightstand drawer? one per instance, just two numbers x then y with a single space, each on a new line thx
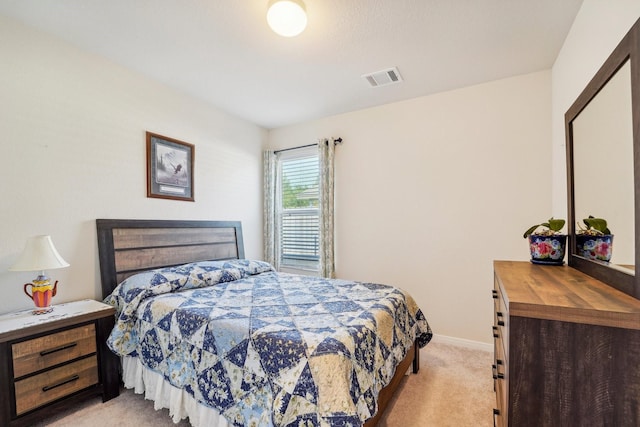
56 383
50 350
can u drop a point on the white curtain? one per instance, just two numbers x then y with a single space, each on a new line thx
326 150
270 210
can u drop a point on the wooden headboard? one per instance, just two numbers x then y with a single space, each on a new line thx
129 246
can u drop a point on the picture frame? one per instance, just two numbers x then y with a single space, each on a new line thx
169 168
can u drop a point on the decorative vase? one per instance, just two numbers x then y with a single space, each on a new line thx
595 247
548 250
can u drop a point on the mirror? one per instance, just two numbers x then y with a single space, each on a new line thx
603 131
603 164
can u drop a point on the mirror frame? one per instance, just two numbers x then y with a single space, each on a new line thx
627 50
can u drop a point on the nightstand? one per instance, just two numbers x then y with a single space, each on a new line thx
51 361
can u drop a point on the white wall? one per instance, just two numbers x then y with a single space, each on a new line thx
431 190
596 31
73 150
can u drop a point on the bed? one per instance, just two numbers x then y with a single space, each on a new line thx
227 341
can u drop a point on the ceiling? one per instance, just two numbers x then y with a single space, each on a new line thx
223 52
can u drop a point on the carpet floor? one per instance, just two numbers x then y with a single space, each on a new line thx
453 388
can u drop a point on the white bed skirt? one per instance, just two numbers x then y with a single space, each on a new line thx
180 403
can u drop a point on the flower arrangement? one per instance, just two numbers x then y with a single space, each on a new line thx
594 226
594 239
547 245
551 227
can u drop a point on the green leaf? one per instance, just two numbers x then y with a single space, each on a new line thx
556 224
599 224
530 230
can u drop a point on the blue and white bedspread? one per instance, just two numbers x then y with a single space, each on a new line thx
267 348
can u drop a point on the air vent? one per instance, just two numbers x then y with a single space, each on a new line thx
383 77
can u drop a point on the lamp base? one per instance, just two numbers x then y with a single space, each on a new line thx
41 294
43 310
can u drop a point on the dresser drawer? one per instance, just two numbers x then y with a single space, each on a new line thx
50 350
500 416
501 316
48 386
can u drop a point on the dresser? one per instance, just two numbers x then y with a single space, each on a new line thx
566 349
51 361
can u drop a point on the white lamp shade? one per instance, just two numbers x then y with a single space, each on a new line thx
287 18
39 254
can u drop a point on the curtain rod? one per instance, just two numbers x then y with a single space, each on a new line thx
335 141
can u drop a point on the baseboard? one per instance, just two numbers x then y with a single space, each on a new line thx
476 345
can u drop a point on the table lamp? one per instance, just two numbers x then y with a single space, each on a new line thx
39 254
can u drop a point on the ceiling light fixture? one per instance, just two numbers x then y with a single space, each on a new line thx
287 18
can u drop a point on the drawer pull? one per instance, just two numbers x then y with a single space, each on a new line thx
495 332
61 383
496 411
54 350
496 375
495 294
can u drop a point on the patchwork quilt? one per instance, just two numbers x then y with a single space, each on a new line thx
267 348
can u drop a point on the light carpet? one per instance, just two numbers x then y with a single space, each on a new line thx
453 388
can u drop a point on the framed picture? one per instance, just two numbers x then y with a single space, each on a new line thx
169 168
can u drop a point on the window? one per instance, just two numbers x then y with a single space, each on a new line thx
299 216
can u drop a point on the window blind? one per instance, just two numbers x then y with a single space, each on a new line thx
299 215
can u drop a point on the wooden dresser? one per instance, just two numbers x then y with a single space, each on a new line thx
566 349
50 361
